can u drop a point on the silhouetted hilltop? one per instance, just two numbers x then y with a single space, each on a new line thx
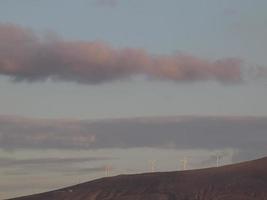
244 181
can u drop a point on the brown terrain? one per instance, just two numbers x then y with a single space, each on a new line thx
244 181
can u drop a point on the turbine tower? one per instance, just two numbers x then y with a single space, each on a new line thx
152 165
218 157
108 169
184 162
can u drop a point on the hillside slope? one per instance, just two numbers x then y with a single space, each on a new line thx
244 181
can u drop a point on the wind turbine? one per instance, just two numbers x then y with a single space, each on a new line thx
108 169
218 157
152 165
184 163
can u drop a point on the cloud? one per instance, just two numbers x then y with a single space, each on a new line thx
43 134
211 133
27 56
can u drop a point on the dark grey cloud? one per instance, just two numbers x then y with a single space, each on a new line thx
44 134
213 133
27 56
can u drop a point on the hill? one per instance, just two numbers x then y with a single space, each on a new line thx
243 181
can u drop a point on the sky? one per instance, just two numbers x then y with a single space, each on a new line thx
88 83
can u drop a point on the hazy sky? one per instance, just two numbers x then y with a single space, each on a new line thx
208 29
65 63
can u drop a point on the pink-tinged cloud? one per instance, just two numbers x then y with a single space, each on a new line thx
24 55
